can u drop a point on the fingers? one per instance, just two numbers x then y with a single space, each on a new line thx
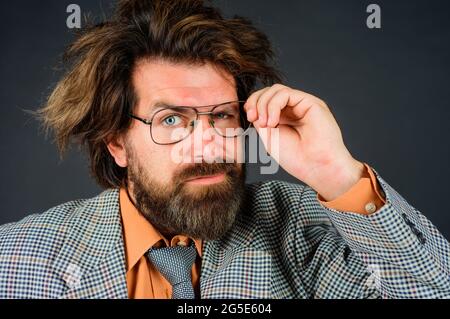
257 106
252 102
275 105
267 110
264 107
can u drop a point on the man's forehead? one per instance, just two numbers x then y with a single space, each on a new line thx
161 75
191 95
183 90
179 83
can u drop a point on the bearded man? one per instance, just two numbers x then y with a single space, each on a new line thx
163 74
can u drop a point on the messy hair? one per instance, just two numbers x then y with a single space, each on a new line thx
92 101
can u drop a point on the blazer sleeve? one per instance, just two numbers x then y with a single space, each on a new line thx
395 252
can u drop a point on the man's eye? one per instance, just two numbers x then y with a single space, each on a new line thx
172 120
222 116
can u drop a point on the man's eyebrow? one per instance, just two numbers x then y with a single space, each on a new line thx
159 105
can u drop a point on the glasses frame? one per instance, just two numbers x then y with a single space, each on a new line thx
211 120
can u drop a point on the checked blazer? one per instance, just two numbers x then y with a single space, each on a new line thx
284 244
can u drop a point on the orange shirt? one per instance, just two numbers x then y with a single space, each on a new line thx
144 281
365 197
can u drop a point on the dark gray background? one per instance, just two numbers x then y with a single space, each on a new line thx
388 90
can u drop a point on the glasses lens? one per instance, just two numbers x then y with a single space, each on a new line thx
230 120
172 125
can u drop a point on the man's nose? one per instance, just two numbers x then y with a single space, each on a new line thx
203 145
203 127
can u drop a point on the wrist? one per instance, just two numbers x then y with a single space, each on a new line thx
338 179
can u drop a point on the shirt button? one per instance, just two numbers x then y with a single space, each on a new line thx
370 208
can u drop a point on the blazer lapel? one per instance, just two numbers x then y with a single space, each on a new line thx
92 259
234 268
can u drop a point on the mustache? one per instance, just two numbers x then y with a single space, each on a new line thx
205 169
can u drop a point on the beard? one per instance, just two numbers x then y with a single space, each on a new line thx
198 211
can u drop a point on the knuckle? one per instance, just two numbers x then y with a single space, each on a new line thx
278 86
322 103
261 108
285 91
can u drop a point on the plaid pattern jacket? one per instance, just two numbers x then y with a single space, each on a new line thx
284 244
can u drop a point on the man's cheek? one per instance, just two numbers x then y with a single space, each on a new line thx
178 154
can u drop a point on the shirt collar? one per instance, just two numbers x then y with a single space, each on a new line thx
140 235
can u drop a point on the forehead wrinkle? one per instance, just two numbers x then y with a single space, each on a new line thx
193 96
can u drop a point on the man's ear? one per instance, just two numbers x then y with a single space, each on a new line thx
116 147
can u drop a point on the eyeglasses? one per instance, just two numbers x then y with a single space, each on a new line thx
173 124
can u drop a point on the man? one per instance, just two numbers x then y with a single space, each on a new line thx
166 78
